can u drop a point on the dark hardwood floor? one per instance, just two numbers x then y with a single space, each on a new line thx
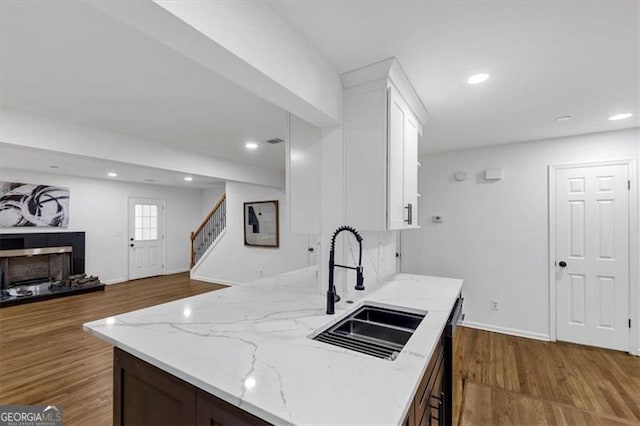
46 358
516 381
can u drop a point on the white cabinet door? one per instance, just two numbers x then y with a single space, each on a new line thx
410 166
395 196
402 164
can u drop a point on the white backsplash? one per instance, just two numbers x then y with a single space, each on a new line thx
378 259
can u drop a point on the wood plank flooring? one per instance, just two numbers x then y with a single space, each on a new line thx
516 381
46 357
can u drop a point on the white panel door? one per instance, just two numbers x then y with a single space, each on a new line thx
592 255
146 234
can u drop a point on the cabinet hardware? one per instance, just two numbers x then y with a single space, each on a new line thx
409 219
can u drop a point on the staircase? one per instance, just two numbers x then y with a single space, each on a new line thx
209 230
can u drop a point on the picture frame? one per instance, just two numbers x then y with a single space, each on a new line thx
262 224
33 205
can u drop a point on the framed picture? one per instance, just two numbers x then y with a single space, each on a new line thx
28 205
261 224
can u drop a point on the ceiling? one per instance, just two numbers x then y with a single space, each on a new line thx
70 61
42 161
546 59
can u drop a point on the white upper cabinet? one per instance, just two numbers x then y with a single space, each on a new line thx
383 119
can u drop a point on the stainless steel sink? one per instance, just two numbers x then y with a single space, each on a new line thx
373 330
389 317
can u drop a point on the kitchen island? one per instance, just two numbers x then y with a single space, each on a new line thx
247 350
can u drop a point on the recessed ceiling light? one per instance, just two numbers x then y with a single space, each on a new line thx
622 116
112 174
564 118
478 78
251 145
54 167
188 178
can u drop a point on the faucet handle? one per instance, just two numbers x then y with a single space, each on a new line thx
359 278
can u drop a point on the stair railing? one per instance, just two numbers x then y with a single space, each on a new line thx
209 230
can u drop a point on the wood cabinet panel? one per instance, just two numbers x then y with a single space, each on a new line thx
212 411
145 395
427 407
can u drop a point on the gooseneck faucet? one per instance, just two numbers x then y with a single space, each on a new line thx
332 297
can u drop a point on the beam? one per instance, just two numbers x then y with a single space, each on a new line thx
247 43
37 132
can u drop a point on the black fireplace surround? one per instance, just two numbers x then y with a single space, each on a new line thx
48 239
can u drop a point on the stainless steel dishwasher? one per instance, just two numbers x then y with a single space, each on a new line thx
453 366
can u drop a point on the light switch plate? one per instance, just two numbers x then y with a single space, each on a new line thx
493 174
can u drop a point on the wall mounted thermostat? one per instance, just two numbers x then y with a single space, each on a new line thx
437 219
460 176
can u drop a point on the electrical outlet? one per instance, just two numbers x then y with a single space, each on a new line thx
495 305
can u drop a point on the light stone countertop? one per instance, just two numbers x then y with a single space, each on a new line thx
249 345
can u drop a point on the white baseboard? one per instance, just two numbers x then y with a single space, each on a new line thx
116 281
214 280
506 330
176 271
122 280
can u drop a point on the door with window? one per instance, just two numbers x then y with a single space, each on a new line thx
146 235
592 255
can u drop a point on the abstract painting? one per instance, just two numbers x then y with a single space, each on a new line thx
261 226
23 204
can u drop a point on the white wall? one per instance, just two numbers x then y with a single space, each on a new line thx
100 208
232 262
495 235
210 197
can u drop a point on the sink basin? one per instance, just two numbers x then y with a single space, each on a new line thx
363 330
376 331
389 317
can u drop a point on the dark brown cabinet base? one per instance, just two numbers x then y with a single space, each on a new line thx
145 395
429 400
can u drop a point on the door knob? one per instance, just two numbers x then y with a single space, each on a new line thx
131 245
562 264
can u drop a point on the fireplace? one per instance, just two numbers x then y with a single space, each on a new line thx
36 266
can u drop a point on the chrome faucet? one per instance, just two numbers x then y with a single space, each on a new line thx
332 297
